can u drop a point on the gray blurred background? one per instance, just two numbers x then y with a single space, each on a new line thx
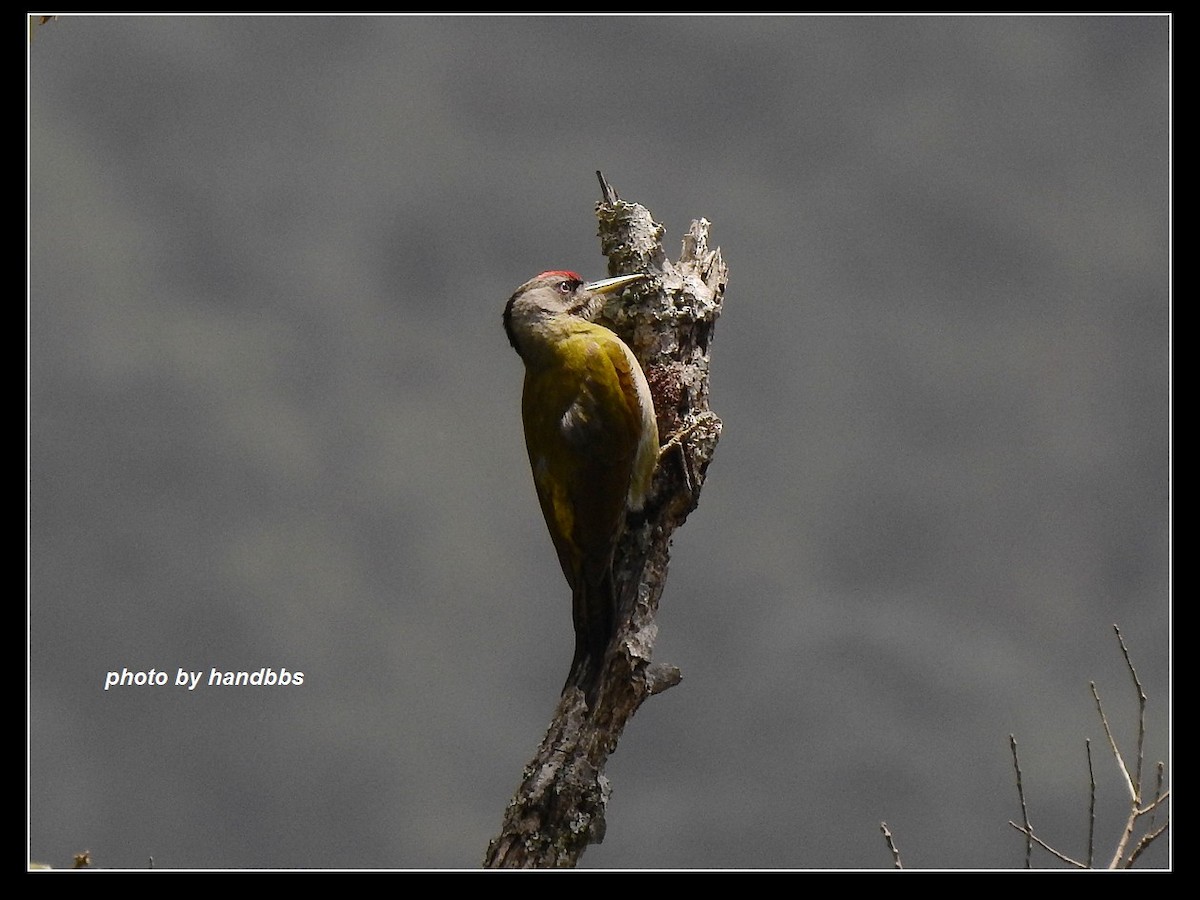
274 423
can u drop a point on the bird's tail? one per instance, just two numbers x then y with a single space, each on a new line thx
593 607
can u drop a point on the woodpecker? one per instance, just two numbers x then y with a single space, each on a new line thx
592 441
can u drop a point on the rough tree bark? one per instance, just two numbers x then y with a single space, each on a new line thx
668 321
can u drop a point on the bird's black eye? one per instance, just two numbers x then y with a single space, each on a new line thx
565 287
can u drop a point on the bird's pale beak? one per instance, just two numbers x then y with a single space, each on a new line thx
608 285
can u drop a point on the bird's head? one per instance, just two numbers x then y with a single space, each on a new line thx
550 300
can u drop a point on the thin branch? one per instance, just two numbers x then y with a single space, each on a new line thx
1158 801
887 836
1030 836
1112 743
1141 738
1146 841
1028 830
1091 856
1158 792
608 194
1133 785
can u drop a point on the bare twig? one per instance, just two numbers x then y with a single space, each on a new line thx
1147 839
1091 856
1141 738
1132 784
1028 830
1032 838
887 836
1158 801
1131 825
608 194
1135 784
1112 743
1158 792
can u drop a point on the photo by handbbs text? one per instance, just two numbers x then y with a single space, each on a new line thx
191 679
